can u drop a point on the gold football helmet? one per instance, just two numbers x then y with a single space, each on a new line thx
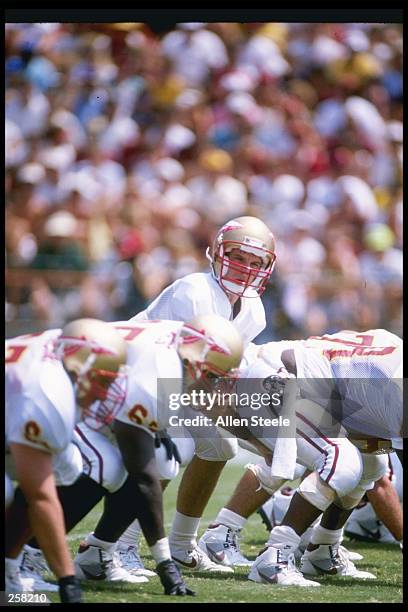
210 345
94 355
250 235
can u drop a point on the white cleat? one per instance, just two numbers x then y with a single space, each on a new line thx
221 545
31 561
368 530
275 566
15 583
34 558
130 560
39 584
329 560
195 560
94 563
351 554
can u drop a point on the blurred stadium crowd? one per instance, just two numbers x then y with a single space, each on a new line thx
126 150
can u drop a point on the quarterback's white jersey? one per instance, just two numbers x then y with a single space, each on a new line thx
200 294
40 400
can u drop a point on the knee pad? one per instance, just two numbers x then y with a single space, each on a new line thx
374 467
316 492
67 465
216 449
262 472
352 499
338 463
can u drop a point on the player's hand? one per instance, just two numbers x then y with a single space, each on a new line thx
274 385
70 590
162 437
171 579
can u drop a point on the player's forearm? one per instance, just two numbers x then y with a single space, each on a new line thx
385 501
47 520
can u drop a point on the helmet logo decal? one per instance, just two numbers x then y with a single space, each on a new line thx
199 335
231 225
217 348
72 344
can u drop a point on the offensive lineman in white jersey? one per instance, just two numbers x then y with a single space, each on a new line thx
242 259
46 375
256 485
102 466
383 501
121 454
367 379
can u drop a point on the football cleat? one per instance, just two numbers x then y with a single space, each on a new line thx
195 560
171 579
275 566
265 514
221 545
95 563
351 554
34 559
329 560
39 584
304 541
15 583
275 508
364 526
130 560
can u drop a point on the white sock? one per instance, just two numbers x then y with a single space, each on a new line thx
305 539
161 550
131 537
93 541
229 519
307 535
184 531
283 536
321 535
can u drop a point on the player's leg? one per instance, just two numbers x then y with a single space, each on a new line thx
337 466
385 500
197 484
103 464
221 539
168 468
322 555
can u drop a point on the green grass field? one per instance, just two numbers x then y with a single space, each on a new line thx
383 560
